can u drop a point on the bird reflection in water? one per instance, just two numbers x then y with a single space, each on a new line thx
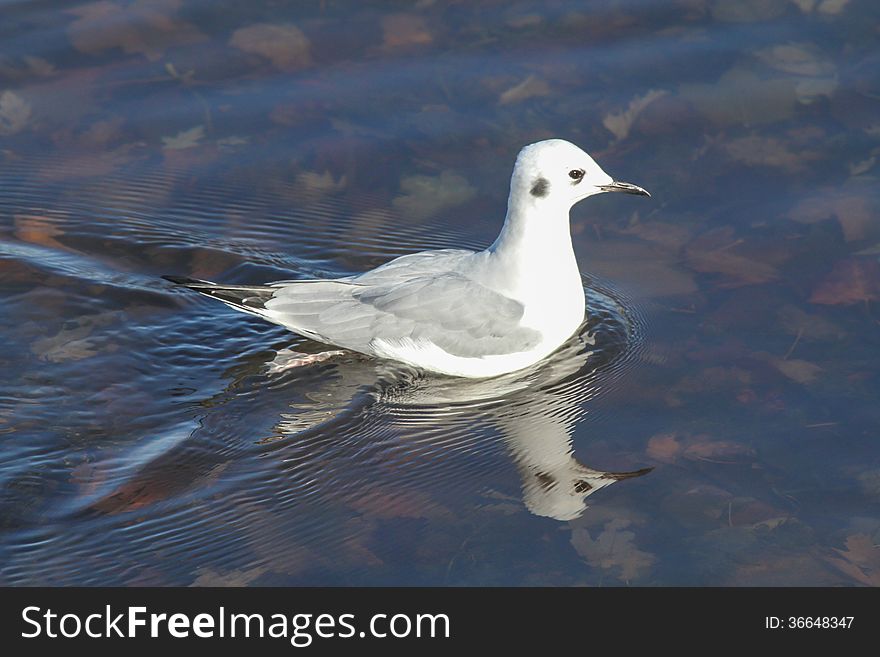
533 411
353 424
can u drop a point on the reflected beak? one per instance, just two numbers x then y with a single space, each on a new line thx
637 473
626 188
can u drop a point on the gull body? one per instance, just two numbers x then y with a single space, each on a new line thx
457 312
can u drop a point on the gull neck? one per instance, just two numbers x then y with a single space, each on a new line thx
535 236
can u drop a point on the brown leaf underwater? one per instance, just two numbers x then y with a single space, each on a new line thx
613 550
146 27
860 560
405 31
854 280
285 45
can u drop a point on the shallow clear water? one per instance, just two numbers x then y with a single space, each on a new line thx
732 343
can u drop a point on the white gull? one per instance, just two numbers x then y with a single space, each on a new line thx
454 311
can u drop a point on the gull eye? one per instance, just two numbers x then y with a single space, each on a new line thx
576 174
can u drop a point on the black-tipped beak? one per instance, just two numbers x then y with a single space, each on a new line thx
626 188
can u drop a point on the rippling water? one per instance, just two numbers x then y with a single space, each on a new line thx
725 380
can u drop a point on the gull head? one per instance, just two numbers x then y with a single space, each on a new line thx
558 172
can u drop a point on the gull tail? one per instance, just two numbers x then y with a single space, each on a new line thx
248 298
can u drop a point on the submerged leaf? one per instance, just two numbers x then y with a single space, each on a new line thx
855 280
741 97
39 66
531 87
855 208
860 560
715 252
704 448
869 482
859 167
39 229
755 150
798 370
405 31
798 322
283 44
668 235
620 123
642 267
670 447
664 447
425 196
810 90
613 548
797 59
312 183
74 341
832 7
15 113
144 27
185 139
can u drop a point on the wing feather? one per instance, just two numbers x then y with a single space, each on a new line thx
449 310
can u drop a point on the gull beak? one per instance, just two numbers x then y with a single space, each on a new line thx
626 188
617 476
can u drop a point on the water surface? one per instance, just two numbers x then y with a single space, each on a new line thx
731 346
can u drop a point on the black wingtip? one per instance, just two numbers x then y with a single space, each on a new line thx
183 280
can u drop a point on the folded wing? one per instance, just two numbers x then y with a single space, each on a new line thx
458 315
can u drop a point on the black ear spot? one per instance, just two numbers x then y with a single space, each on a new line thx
540 188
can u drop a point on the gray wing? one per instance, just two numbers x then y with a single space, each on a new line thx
459 315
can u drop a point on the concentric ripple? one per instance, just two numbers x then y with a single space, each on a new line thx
151 444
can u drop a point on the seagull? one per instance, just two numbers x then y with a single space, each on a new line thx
456 312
